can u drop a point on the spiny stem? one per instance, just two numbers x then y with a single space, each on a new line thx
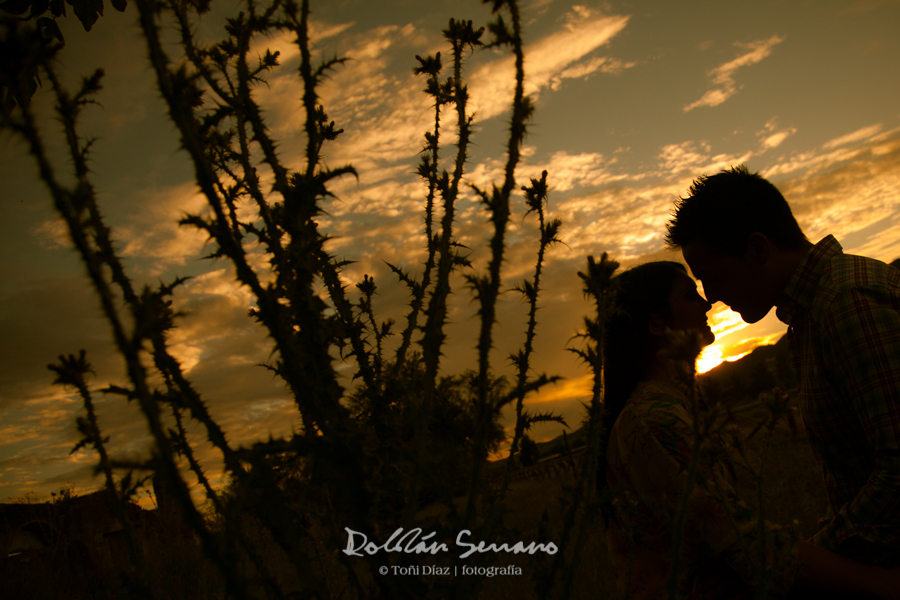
488 291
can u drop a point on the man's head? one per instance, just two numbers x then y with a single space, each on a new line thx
736 229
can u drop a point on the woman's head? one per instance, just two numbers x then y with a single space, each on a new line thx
686 311
652 299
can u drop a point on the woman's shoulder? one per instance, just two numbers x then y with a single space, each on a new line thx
657 410
656 398
652 435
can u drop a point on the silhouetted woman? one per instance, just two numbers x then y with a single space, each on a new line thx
650 350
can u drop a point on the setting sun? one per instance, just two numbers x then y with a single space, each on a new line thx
710 358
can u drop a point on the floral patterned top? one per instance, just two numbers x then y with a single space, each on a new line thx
647 467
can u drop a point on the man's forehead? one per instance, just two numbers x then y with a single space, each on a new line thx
701 259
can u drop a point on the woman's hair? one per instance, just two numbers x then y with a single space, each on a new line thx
629 347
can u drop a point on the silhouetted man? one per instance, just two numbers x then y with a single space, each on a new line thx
741 240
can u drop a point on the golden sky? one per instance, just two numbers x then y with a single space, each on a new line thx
634 100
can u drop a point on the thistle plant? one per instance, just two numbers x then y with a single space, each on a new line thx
599 287
463 37
486 288
535 197
337 469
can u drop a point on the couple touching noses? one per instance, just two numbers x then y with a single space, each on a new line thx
740 239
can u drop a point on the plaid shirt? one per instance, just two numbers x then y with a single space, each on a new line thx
844 336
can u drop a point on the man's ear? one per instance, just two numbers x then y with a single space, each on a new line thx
657 325
759 248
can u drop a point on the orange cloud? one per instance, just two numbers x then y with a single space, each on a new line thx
723 75
772 137
856 136
551 59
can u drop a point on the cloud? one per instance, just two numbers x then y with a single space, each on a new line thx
386 105
221 346
856 136
575 387
846 190
538 6
724 321
153 235
383 100
52 233
697 157
582 70
285 42
772 137
723 75
841 150
858 7
16 433
885 246
566 171
626 220
41 320
685 156
550 60
747 345
710 357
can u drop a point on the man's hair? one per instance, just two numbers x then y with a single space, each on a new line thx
722 210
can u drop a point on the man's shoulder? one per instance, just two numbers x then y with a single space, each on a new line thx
845 274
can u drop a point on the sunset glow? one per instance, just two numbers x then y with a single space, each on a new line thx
710 358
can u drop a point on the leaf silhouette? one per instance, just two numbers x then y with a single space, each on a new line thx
87 11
